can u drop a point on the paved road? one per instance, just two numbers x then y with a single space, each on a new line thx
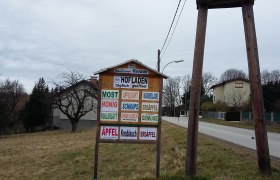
239 136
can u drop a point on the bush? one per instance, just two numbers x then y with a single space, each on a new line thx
232 116
210 106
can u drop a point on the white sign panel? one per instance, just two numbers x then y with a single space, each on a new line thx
122 82
151 118
130 95
109 132
128 133
109 116
146 106
150 96
109 105
130 106
131 82
110 94
129 117
140 82
131 70
147 133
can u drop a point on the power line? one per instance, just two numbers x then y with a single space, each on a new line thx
171 26
174 28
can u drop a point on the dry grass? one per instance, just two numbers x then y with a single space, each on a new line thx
66 155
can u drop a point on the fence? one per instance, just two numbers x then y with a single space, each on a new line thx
215 115
270 117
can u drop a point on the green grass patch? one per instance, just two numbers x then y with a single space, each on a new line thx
64 155
238 124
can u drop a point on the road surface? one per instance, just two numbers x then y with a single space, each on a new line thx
239 136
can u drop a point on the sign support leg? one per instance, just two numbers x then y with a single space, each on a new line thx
195 92
256 89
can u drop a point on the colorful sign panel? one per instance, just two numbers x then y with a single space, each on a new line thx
130 106
154 96
130 95
129 117
110 94
109 116
109 105
148 133
131 82
147 106
109 132
129 133
149 118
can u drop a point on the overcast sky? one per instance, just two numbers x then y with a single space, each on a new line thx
44 38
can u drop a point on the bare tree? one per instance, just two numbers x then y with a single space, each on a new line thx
186 82
12 100
232 74
208 80
171 93
75 97
235 97
275 76
265 77
270 77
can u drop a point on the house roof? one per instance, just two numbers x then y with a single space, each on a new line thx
78 84
130 61
228 81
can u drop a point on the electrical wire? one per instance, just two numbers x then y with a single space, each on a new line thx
174 28
171 26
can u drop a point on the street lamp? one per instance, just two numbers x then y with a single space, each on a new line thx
177 61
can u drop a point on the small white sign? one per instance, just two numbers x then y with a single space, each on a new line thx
109 116
147 133
109 105
150 96
129 117
109 132
128 133
130 106
130 95
110 94
147 106
151 118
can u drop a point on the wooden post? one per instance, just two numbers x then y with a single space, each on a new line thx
195 92
256 89
97 132
159 132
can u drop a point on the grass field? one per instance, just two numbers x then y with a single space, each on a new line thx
238 124
66 155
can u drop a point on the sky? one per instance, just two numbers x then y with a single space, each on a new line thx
45 38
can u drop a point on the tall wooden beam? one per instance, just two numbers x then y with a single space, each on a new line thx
256 89
195 92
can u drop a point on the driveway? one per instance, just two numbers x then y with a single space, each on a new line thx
239 136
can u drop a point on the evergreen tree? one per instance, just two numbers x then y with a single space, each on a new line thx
38 109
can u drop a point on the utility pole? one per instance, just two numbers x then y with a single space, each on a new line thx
158 62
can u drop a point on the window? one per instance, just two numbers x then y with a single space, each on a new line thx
238 85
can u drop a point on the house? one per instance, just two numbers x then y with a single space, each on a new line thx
88 120
234 92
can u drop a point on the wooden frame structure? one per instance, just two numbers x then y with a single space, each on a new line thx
254 76
129 107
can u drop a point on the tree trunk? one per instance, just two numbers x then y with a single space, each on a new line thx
74 125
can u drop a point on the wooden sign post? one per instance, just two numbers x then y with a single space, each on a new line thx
254 75
129 107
